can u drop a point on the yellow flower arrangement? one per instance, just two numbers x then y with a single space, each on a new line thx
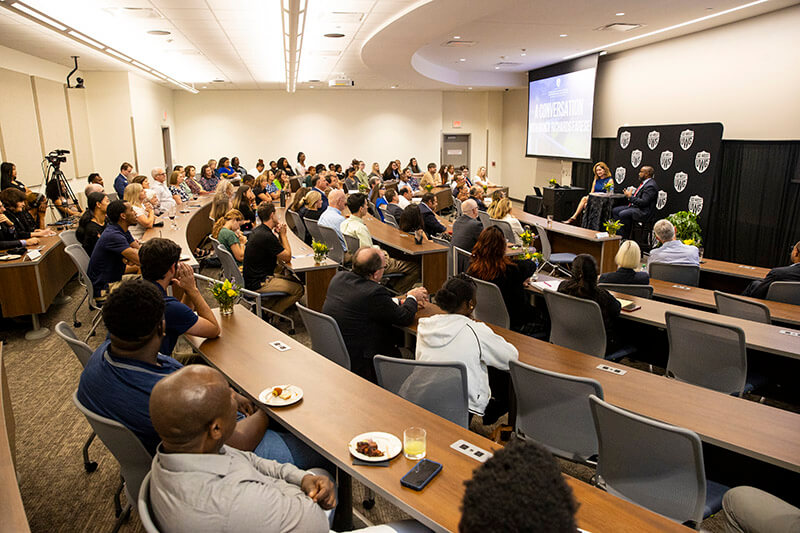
226 294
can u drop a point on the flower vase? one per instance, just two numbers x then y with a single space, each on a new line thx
319 257
226 308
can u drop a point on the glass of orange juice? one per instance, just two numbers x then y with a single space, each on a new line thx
414 443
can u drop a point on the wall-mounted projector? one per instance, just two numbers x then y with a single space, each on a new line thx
341 83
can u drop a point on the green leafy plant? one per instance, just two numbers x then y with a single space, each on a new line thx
687 229
533 256
226 294
612 226
553 182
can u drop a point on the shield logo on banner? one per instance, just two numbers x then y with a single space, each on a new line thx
681 179
687 138
624 139
701 162
666 159
636 158
619 175
662 200
652 139
695 204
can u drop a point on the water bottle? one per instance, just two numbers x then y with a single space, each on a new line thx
283 197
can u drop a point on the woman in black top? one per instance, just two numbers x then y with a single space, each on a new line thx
311 209
93 221
283 164
36 207
245 201
490 263
584 285
8 177
16 214
628 259
8 233
411 221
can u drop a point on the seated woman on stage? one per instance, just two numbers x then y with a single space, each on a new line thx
584 285
602 175
93 221
628 259
57 194
145 216
490 263
501 210
244 201
456 337
227 231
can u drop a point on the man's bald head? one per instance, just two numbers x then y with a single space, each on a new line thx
92 187
367 262
470 208
187 403
336 198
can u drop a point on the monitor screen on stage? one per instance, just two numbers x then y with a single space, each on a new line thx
560 106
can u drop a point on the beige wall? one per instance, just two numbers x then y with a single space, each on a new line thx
19 127
108 103
328 126
152 108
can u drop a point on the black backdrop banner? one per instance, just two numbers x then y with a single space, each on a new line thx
686 159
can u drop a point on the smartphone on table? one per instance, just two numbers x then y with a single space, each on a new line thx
422 473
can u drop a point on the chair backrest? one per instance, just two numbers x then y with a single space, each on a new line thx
313 229
81 260
576 323
650 463
80 348
553 409
538 191
484 218
489 304
730 305
784 291
145 510
545 241
373 210
331 238
229 267
68 237
112 196
457 203
440 387
352 243
706 353
445 242
299 227
294 184
642 291
127 449
683 274
326 338
389 219
505 227
461 259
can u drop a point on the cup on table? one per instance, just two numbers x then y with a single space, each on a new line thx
414 443
549 221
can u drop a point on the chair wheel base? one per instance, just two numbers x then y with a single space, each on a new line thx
90 467
76 324
292 331
369 504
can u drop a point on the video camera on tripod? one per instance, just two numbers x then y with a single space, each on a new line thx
56 157
53 173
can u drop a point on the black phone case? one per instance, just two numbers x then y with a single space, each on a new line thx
427 480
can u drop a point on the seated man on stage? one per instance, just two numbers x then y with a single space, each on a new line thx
759 288
672 250
641 205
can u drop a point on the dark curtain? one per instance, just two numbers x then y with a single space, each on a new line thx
755 207
602 150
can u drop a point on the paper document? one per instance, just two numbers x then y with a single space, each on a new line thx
550 284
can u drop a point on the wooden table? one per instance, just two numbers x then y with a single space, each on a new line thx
11 508
29 287
337 405
566 238
728 277
433 256
192 227
752 429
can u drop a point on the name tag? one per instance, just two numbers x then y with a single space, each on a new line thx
601 235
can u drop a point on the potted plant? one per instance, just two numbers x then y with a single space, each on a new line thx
362 188
428 187
612 226
687 229
226 294
320 251
553 183
527 238
536 257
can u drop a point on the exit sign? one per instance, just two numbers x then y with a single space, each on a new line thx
456 123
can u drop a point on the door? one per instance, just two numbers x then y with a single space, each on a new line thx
455 149
167 149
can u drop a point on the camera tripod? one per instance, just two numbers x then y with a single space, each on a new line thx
53 172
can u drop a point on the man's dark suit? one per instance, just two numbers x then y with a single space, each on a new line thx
481 205
366 314
395 211
432 226
759 288
641 207
625 276
466 231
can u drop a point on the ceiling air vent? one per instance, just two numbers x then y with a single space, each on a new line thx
460 43
505 64
344 17
619 26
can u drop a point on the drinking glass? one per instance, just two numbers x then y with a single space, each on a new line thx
414 443
171 213
549 221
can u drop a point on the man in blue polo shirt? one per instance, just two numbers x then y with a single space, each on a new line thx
161 266
115 244
122 372
121 181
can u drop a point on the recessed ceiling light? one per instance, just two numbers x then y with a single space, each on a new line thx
456 37
394 86
469 88
563 35
603 53
310 86
523 54
497 68
462 59
620 14
159 32
334 35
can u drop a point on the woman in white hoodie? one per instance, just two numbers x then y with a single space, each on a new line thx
456 337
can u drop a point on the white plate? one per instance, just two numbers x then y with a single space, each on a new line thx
9 257
267 398
387 443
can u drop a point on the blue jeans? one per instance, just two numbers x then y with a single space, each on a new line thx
281 446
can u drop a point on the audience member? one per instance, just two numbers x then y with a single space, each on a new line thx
493 499
179 195
92 187
480 179
760 288
145 216
393 204
751 510
259 168
92 222
36 206
208 179
166 199
359 304
672 250
56 192
453 336
95 178
310 208
8 178
311 171
283 164
300 168
160 262
431 177
428 206
628 259
227 231
490 263
115 247
265 190
392 171
224 170
411 222
17 215
467 228
244 201
642 202
320 184
332 217
500 209
261 254
121 181
237 167
405 197
351 183
376 171
149 193
377 195
361 174
192 183
477 194
8 233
